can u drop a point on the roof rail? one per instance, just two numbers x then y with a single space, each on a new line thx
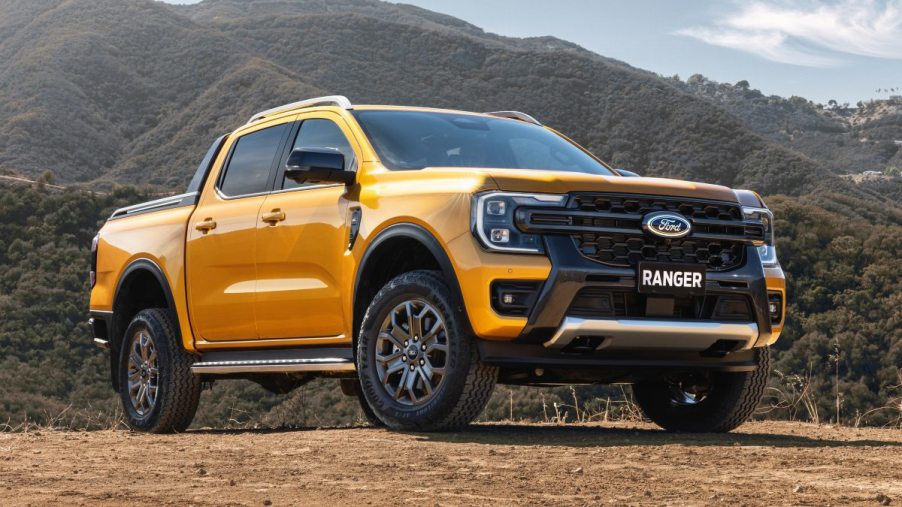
516 115
331 100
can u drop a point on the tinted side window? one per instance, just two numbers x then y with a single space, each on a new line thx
322 134
251 161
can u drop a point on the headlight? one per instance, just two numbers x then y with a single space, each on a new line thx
767 251
493 220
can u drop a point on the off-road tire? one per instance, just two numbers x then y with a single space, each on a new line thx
368 413
731 400
178 389
462 394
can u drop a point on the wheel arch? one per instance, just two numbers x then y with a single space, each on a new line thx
142 285
378 265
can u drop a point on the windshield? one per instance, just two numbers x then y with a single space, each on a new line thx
418 139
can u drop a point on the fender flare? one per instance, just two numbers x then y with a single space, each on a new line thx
424 237
117 328
145 264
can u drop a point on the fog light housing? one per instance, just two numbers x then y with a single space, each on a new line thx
514 298
775 306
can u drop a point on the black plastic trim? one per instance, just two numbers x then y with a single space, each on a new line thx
525 355
145 264
354 226
206 165
100 324
412 231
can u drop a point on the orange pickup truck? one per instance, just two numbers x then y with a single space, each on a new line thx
420 256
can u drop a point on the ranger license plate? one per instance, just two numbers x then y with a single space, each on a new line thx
675 279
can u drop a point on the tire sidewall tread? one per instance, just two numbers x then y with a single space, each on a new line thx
469 383
178 389
735 397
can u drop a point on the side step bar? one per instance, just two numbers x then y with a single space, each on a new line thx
306 360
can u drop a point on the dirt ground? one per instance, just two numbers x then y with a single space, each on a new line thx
494 464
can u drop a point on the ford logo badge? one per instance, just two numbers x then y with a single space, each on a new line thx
666 225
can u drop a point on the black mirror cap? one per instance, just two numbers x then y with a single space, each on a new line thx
318 166
627 174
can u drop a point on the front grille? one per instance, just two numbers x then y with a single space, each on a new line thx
607 228
628 250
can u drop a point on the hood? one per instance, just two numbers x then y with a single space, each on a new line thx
560 182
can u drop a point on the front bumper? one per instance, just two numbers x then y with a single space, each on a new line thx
551 334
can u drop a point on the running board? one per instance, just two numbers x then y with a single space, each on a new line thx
306 360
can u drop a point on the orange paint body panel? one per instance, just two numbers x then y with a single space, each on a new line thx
157 237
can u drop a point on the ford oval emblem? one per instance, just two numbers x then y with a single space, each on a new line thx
666 225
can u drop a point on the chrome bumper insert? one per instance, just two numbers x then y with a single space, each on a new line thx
625 334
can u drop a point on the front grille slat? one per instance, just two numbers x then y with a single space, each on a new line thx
607 228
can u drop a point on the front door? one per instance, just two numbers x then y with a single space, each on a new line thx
221 245
302 250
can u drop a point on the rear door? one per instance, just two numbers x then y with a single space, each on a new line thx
220 250
301 256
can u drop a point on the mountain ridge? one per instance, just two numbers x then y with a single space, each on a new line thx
158 62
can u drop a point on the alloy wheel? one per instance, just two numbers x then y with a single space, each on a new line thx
143 373
412 352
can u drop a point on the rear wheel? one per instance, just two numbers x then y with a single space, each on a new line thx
159 393
417 362
706 402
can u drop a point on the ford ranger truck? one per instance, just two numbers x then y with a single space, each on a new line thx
420 256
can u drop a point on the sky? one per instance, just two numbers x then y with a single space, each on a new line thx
844 50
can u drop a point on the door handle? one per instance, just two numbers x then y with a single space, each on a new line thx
206 226
273 217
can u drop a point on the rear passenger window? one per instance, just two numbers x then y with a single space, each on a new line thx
321 134
249 167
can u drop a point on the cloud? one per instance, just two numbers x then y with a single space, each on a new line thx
814 35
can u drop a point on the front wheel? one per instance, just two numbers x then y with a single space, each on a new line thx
714 402
158 391
417 361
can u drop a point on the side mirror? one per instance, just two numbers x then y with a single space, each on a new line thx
318 166
627 174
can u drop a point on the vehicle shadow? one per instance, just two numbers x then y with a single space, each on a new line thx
599 436
513 434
